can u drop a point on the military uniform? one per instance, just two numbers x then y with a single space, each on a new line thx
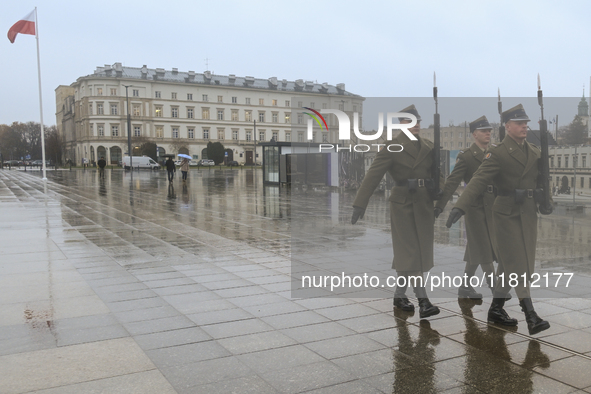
480 248
411 206
513 169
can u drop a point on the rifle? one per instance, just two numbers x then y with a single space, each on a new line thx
436 166
544 168
501 127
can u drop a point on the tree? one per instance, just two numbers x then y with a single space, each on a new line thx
149 149
54 145
215 152
12 142
576 132
177 145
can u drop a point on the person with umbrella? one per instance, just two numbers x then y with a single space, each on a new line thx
185 165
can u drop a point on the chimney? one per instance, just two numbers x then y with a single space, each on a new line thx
190 76
248 81
232 79
108 70
118 69
273 83
299 85
159 73
309 85
207 76
175 71
341 88
145 72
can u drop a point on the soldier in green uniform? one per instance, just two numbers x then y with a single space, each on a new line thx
411 210
480 248
512 166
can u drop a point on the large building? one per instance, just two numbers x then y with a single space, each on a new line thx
182 111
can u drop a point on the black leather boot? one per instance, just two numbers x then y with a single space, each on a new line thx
400 300
496 313
535 324
426 309
468 292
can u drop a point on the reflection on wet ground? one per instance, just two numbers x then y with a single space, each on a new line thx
138 285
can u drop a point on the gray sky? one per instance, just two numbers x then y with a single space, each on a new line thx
377 48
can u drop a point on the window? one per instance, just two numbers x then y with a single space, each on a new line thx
137 131
445 135
220 114
205 134
287 117
247 100
190 132
300 137
261 117
115 131
204 97
445 144
312 105
99 91
175 132
275 135
234 100
451 145
287 104
136 93
274 103
159 131
189 113
173 95
461 134
460 144
205 113
300 104
248 136
300 119
584 163
288 136
114 109
261 135
325 106
566 162
220 99
158 111
234 134
101 130
341 107
354 108
582 182
113 91
190 96
551 162
261 101
235 115
220 134
314 136
324 137
174 112
90 109
248 116
274 117
136 110
558 162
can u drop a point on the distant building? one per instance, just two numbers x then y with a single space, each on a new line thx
182 111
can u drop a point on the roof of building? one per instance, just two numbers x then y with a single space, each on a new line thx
207 78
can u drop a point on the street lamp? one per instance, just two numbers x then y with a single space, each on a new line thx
128 128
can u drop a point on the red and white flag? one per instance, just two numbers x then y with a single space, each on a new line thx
25 26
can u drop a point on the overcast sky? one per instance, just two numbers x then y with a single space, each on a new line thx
377 48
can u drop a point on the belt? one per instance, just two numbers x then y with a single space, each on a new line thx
419 182
529 193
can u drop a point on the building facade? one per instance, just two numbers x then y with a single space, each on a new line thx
182 111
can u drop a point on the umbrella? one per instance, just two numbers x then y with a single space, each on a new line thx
184 156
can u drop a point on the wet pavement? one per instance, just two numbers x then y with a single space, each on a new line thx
130 285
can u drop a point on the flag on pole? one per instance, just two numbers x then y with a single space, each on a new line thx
25 26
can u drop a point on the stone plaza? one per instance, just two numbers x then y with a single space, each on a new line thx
134 285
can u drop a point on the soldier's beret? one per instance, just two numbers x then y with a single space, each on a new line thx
480 124
516 114
411 109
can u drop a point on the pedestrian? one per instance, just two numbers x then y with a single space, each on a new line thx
102 163
170 169
185 168
512 166
411 207
480 246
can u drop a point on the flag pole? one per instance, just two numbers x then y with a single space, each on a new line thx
40 98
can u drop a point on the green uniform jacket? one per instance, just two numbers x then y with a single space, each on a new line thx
481 247
411 214
509 167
